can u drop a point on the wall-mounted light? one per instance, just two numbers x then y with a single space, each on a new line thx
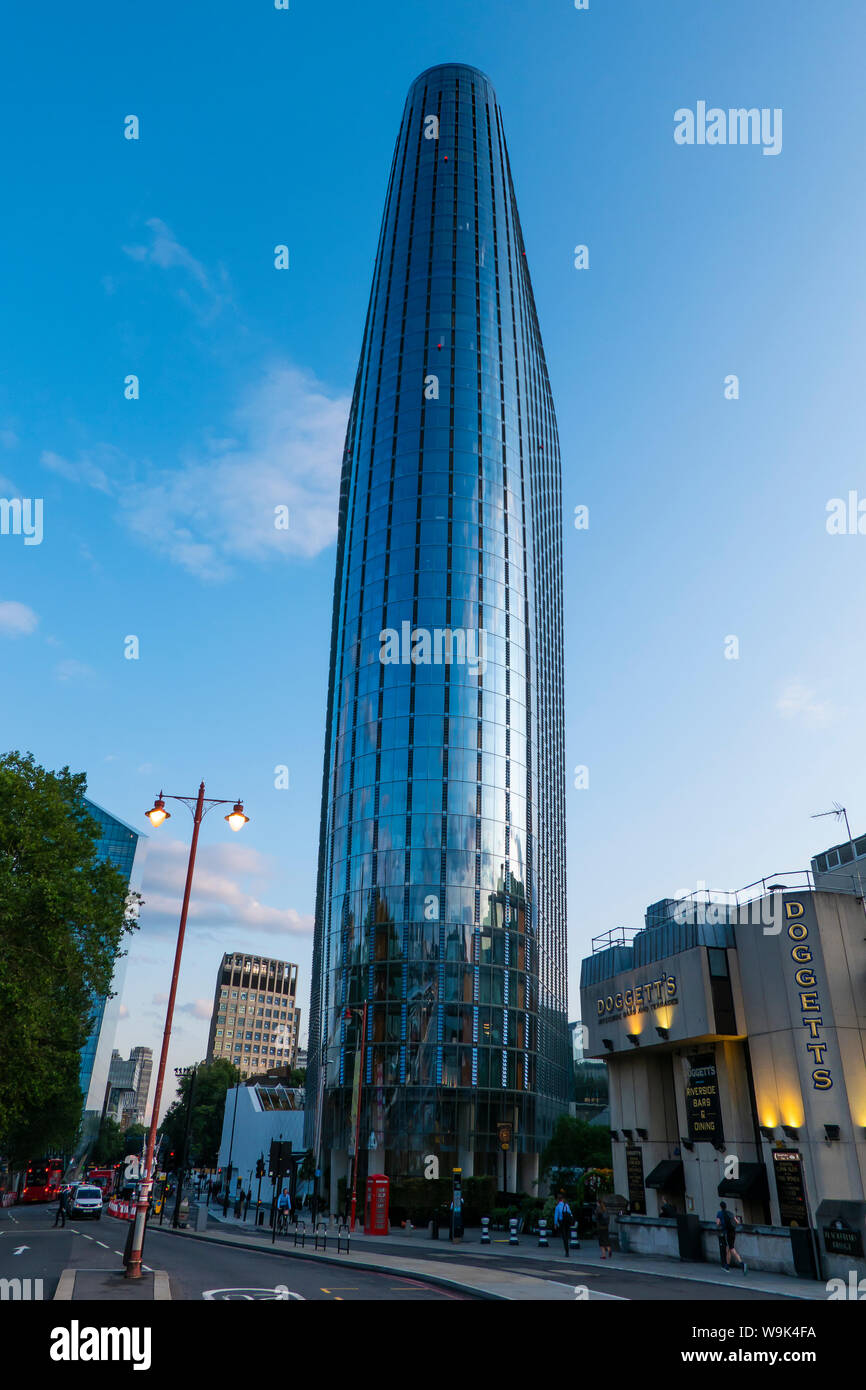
687 1144
634 1039
832 1131
608 1045
642 1134
769 1132
664 1033
719 1146
629 1134
614 1134
792 1131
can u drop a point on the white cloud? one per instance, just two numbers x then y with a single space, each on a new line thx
89 468
284 448
16 619
72 670
166 251
218 899
798 701
199 1008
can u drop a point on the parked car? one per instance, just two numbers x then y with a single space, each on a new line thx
85 1200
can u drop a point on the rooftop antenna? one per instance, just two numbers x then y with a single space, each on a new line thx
839 812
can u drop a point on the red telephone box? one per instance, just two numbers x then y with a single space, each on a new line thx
376 1214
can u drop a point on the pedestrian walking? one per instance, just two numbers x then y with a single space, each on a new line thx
727 1223
602 1226
563 1220
61 1208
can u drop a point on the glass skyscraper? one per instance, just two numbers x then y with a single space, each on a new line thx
441 891
118 844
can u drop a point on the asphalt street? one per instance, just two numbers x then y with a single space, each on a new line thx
619 1283
31 1248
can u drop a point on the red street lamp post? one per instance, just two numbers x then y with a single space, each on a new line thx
356 1155
157 815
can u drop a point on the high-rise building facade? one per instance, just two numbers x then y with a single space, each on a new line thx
128 1086
441 893
122 846
255 1020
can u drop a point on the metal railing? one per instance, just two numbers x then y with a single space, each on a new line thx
692 905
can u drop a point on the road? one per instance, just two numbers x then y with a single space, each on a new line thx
610 1281
31 1248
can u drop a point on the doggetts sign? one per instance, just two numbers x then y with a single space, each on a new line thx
653 994
703 1105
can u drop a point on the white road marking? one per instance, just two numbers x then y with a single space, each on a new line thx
102 1243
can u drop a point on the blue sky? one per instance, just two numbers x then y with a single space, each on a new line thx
707 515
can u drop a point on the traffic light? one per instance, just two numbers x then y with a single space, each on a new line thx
280 1158
260 1167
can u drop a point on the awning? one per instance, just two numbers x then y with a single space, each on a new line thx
668 1176
752 1182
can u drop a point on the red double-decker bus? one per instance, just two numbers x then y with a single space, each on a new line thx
42 1180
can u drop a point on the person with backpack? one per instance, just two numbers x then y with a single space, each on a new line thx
563 1220
727 1224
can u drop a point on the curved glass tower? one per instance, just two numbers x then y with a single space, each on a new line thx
441 894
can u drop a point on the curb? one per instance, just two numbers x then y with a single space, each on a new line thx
324 1258
161 1287
65 1287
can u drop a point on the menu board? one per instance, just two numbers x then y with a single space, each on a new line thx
788 1168
634 1171
703 1104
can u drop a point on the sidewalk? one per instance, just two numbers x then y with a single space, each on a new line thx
418 1244
496 1284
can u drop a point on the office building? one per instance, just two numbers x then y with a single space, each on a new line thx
441 888
734 1031
255 1021
124 848
128 1086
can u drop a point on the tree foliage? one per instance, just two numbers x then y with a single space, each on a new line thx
63 916
212 1082
575 1143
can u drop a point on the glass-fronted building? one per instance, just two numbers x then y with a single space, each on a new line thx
441 894
118 844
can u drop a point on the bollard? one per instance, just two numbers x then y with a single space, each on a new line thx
512 1231
542 1231
573 1241
485 1230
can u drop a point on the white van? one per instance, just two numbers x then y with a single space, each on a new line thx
85 1200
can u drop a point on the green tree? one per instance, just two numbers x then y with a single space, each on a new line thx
63 917
212 1082
575 1143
